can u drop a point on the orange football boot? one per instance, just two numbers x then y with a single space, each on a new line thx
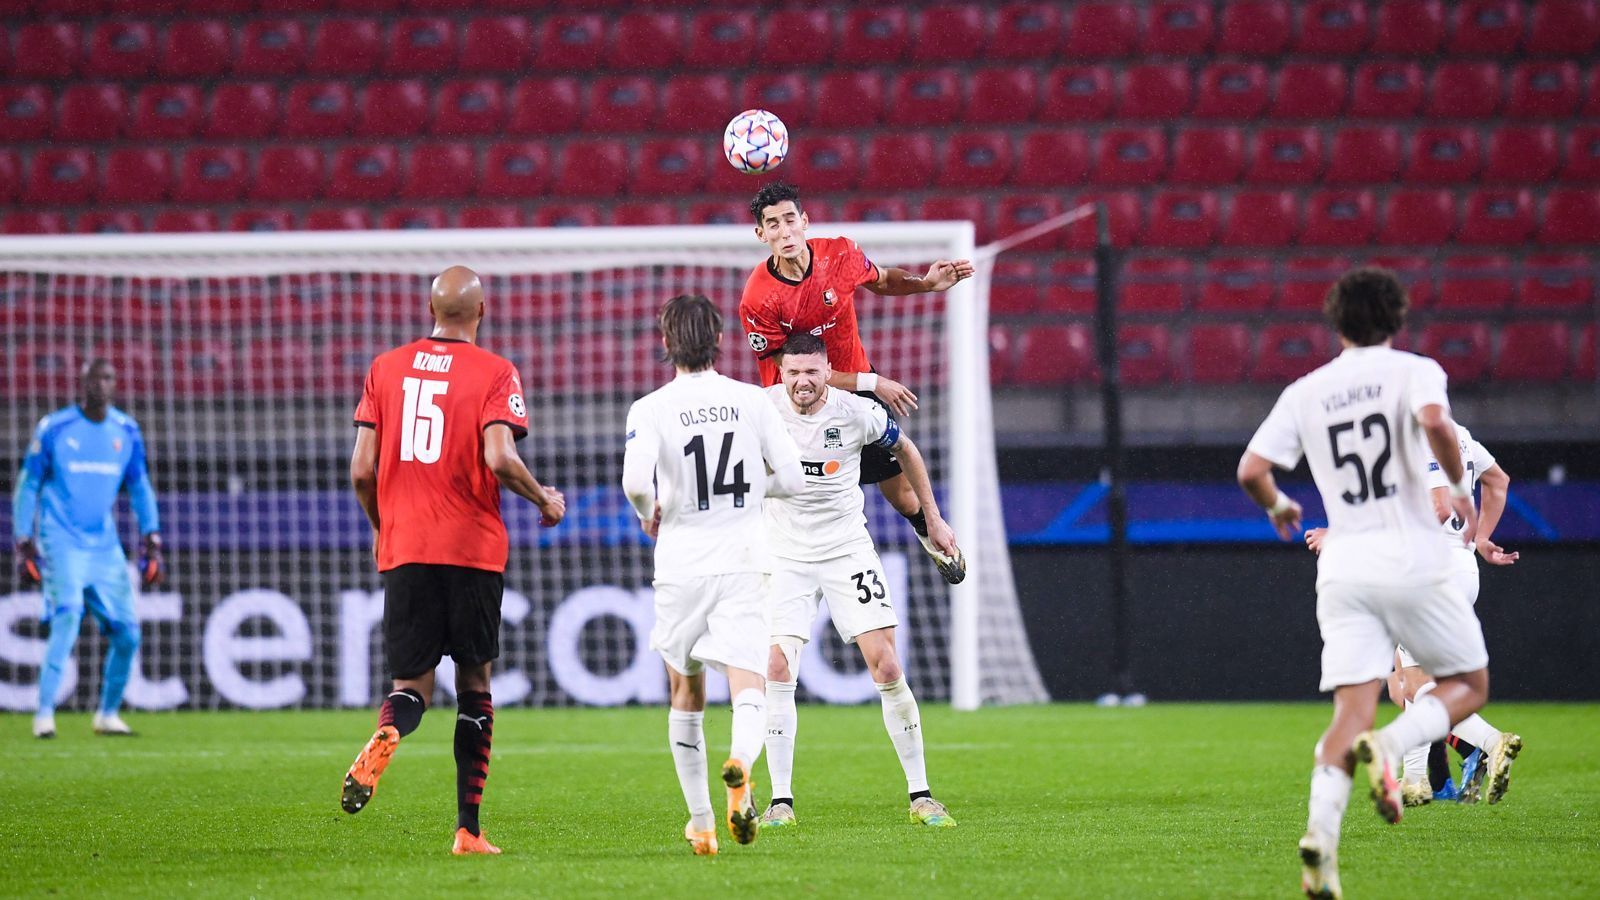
362 779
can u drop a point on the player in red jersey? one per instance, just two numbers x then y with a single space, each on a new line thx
809 285
438 420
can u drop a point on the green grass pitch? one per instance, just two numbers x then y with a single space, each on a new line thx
1188 800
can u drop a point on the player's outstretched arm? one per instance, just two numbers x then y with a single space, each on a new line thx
500 455
894 395
942 276
916 469
1255 476
1496 485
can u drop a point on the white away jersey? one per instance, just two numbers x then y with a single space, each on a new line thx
1477 459
828 518
710 441
1355 421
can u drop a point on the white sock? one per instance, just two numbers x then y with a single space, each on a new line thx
1330 793
1424 722
904 724
782 720
686 734
1475 731
749 722
1415 765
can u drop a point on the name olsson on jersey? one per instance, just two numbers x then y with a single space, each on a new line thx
708 414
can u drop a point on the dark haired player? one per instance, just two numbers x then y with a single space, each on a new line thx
435 443
809 286
1366 423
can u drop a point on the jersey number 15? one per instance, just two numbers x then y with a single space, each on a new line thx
422 421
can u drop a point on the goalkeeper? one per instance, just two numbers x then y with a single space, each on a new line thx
80 458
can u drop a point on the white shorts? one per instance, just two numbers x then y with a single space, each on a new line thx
855 586
1464 575
1361 624
717 621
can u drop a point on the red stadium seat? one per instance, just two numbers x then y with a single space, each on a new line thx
25 112
1571 217
1444 155
47 50
1144 355
202 369
1154 284
195 48
1156 91
1052 158
883 209
1564 29
926 97
346 47
1002 355
1286 156
33 223
1207 156
410 218
60 178
338 218
788 95
1364 155
717 212
1102 31
1014 287
1386 90
1461 348
1051 355
115 221
1583 154
673 167
1464 90
91 112
976 159
1557 281
1254 28
1180 28
1475 283
1020 212
420 46
1533 351
512 170
185 220
1417 218
1027 31
1218 354
849 99
167 112
119 49
1078 93
1486 27
1309 90
498 216
469 107
592 168
620 104
42 368
870 36
272 48
1131 156
137 175
1544 90
1333 27
1002 95
211 175
1522 154
721 39
1289 351
823 163
440 171
697 103
288 172
1261 219
949 33
393 108
499 44
1408 28
1498 217
242 110
796 37
1231 91
570 43
1123 219
545 106
645 40
1236 285
1306 281
1588 339
364 172
644 214
1338 218
898 161
1069 287
960 209
10 174
261 219
318 109
1182 219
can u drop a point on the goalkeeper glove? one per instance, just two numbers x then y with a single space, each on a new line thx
151 571
28 563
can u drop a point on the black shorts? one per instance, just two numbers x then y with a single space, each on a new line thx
433 610
877 463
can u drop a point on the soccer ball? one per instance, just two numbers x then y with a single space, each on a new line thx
756 141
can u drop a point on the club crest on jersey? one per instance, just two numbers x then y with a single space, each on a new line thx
758 341
831 440
829 298
517 407
116 445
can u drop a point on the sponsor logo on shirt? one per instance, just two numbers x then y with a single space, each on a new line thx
820 469
83 467
831 440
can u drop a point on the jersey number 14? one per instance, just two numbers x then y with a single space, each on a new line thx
706 488
422 421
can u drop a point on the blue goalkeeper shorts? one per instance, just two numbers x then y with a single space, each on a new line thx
76 580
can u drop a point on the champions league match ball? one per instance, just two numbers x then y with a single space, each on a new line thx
756 141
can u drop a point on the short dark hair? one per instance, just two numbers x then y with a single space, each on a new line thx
691 324
1367 305
772 195
802 344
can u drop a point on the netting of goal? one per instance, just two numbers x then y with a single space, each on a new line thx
242 357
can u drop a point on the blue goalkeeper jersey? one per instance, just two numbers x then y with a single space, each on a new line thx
71 476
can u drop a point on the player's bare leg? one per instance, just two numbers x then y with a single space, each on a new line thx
898 491
903 721
399 715
474 733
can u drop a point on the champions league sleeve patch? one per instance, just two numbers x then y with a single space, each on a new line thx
758 341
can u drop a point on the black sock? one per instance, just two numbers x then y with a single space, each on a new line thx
403 709
788 801
1438 765
919 522
1462 748
916 794
474 730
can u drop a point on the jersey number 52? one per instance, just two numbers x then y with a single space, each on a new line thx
422 421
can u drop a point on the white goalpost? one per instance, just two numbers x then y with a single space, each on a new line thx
241 355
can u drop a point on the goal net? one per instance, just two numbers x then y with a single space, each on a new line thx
242 357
